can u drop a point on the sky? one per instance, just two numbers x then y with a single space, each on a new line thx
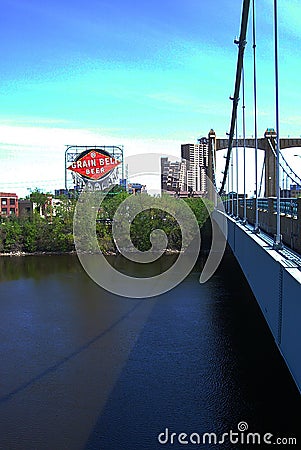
148 75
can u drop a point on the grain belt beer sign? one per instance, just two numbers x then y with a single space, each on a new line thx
96 167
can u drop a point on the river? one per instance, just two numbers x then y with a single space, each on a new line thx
85 369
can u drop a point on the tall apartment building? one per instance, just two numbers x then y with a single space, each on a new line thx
173 175
189 174
8 204
196 157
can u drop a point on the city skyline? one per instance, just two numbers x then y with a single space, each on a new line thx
150 77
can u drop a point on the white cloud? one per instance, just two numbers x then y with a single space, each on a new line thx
34 156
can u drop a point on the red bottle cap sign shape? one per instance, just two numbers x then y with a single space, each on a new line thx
94 164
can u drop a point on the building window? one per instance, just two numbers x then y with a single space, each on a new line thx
4 211
12 201
12 211
4 201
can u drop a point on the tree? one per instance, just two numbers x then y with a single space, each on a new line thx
38 198
11 235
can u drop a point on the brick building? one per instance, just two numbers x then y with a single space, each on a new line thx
8 204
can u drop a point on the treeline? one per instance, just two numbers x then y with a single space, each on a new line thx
39 234
54 233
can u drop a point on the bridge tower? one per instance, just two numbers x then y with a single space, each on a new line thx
211 163
266 143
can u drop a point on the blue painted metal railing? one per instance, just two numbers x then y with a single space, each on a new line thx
288 206
263 204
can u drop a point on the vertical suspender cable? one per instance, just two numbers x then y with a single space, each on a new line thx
256 225
228 190
229 197
244 140
286 182
232 186
236 158
278 238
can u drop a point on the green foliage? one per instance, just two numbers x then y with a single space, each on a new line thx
29 236
54 233
11 235
201 208
111 203
39 234
155 219
38 198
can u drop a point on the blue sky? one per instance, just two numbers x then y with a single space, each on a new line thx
149 75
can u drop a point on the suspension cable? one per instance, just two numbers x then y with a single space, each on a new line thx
241 48
261 178
290 169
289 174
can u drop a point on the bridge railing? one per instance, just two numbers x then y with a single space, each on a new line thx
263 204
288 206
290 211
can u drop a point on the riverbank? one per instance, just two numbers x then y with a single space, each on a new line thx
73 252
37 253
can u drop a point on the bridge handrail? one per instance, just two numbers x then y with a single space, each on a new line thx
288 206
263 204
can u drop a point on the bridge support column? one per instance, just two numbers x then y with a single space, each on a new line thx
270 173
211 164
270 162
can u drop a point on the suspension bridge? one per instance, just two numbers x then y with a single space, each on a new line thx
264 231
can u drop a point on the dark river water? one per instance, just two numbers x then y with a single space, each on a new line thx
84 369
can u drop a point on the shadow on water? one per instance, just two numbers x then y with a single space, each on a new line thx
134 269
204 362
